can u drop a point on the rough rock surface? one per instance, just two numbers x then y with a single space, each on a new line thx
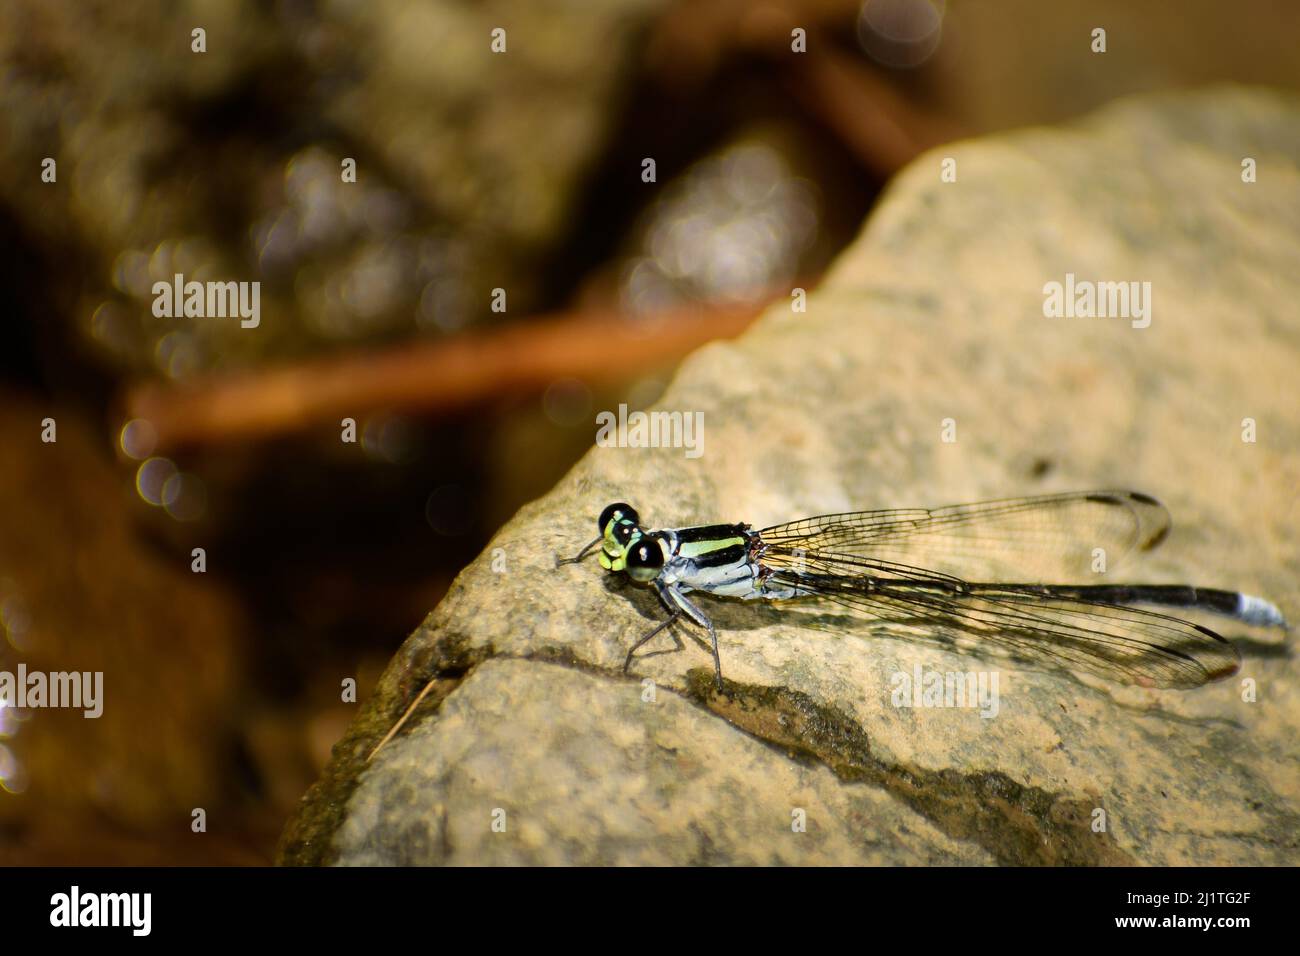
935 313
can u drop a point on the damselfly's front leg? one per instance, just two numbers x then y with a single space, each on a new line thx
655 630
579 556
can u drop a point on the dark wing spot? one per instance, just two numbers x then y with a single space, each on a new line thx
1156 538
1107 500
1217 637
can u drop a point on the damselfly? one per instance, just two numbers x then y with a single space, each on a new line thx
916 565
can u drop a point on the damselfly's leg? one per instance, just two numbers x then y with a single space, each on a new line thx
676 601
635 647
717 661
580 555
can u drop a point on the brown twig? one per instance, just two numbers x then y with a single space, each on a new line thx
876 124
882 128
595 346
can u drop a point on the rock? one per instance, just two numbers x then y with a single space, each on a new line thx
936 313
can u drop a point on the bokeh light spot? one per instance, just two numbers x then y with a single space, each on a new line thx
138 438
901 33
567 402
13 778
151 480
185 497
448 511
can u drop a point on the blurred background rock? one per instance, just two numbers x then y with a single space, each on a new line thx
476 170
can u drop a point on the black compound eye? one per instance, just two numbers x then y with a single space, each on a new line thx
622 511
645 560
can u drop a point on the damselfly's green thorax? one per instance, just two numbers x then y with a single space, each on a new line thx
896 564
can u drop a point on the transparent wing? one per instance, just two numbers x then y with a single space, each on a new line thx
1049 538
1029 624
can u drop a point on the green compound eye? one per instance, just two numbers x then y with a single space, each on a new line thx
645 560
620 511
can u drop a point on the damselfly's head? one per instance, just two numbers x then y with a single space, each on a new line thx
626 547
